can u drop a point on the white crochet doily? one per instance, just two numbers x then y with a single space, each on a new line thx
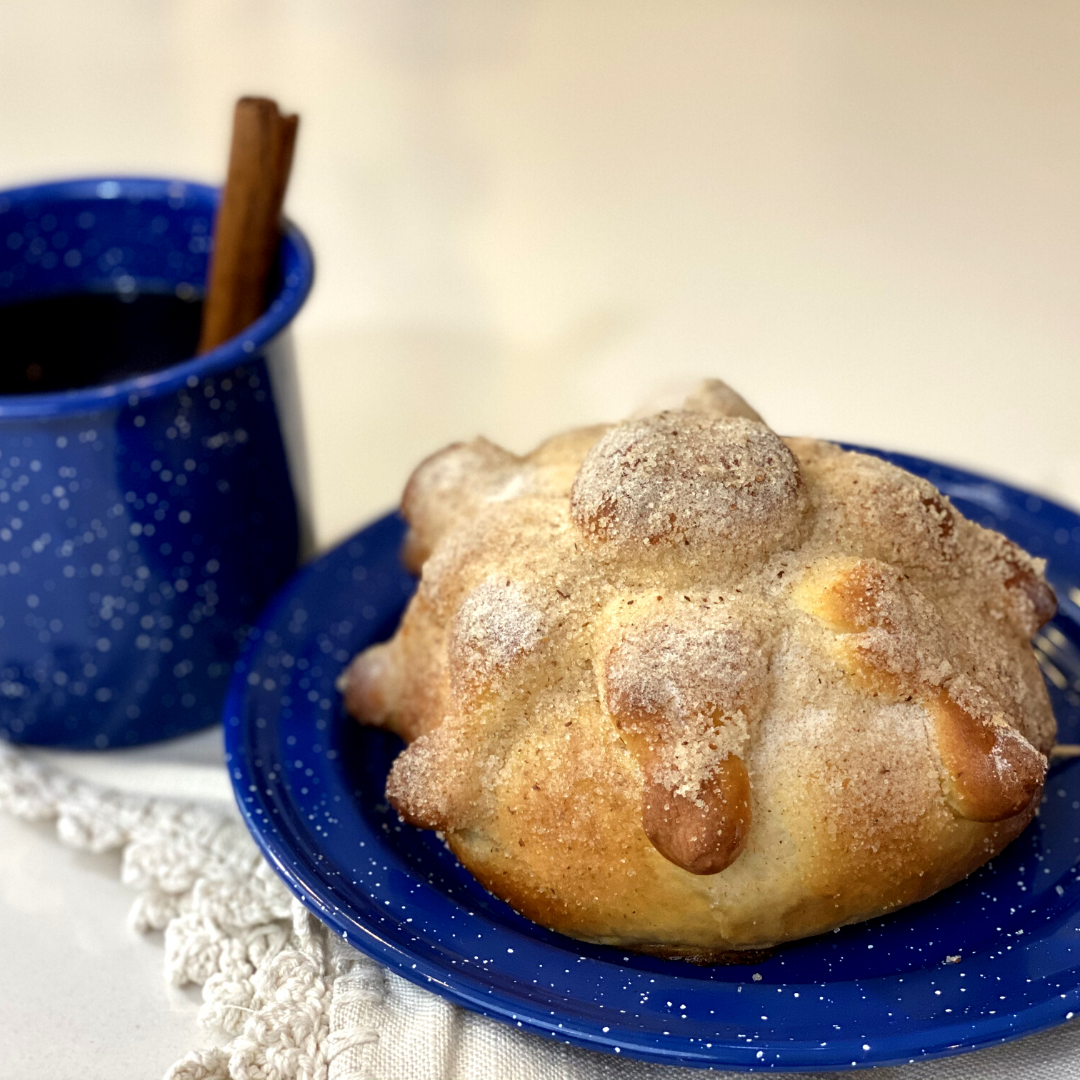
297 1002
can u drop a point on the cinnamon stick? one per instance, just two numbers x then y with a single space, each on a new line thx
248 225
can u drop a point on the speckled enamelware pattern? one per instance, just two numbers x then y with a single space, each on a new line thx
143 524
992 958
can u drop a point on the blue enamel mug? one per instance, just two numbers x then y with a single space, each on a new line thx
145 520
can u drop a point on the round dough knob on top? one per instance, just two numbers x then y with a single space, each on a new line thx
689 479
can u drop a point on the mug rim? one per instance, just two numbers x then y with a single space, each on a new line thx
283 306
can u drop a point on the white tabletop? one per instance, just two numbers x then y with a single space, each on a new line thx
530 214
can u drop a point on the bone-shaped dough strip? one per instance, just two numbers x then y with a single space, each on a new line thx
887 640
679 694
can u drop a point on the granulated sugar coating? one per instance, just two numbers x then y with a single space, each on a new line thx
685 478
683 686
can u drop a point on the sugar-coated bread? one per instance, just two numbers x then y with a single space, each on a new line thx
682 686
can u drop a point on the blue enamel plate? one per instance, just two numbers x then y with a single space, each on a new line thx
992 958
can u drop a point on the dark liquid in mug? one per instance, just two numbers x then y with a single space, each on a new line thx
93 339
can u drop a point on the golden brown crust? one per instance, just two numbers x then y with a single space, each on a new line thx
893 641
680 686
991 771
681 692
705 831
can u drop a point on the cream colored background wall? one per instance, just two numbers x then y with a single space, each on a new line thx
528 214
